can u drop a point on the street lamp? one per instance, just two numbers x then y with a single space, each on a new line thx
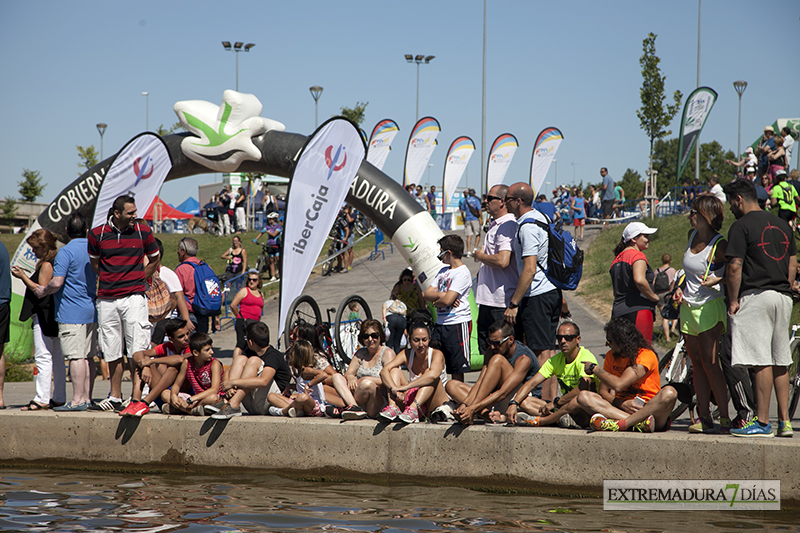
237 47
739 86
418 59
101 127
430 166
316 92
146 110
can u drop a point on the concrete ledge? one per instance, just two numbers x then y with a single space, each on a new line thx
509 458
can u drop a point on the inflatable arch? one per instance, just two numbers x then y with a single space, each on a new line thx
234 138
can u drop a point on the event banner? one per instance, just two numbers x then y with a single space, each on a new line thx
695 113
139 169
326 168
421 144
454 166
500 156
544 151
380 143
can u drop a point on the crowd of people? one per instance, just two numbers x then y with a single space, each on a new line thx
534 371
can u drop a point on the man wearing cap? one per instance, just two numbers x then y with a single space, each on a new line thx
761 266
766 147
470 208
535 307
631 278
785 196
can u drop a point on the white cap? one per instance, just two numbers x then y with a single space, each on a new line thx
634 229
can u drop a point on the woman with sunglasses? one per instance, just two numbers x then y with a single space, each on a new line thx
423 391
704 316
247 306
364 373
631 278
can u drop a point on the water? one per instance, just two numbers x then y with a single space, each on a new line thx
55 501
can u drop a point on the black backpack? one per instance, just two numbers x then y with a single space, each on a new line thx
661 282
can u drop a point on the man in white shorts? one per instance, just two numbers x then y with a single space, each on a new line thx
761 268
117 250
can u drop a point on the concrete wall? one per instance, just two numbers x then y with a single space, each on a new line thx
525 459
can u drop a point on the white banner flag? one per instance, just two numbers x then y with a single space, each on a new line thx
380 144
323 175
500 156
138 170
454 166
421 145
544 151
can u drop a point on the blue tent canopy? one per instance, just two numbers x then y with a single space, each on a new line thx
190 205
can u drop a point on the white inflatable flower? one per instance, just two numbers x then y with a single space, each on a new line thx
224 134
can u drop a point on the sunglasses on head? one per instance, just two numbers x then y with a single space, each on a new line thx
566 337
498 343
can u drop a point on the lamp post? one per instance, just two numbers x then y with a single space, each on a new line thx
316 92
430 166
556 162
739 86
101 128
418 59
237 47
146 110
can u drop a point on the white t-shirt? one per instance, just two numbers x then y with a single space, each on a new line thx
170 279
788 147
458 280
534 241
717 191
496 285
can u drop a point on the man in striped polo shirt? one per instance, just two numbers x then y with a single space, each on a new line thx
117 250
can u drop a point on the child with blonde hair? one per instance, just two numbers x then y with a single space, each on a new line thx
309 399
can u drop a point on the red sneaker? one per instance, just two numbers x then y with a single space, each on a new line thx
136 408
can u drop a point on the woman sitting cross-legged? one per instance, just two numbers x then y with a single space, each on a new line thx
630 394
424 390
365 370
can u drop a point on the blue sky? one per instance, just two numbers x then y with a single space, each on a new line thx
573 65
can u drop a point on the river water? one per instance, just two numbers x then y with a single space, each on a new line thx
60 500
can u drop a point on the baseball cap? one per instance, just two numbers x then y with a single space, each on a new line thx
273 215
634 229
769 128
780 173
749 150
751 169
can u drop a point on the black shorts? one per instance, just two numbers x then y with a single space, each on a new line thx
454 344
241 327
539 317
608 207
5 324
786 214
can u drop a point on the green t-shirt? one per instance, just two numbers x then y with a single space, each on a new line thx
785 194
568 375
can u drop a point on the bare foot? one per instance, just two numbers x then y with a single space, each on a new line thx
496 417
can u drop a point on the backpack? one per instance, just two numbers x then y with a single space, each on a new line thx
564 258
661 282
208 296
159 299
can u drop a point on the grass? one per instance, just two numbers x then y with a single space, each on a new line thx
671 238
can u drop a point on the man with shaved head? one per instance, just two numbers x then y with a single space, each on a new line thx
535 306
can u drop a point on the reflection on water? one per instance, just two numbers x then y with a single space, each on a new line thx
47 500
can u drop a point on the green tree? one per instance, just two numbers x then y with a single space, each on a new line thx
654 115
30 188
356 113
632 184
712 161
162 131
89 158
9 209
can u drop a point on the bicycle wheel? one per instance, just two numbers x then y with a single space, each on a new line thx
262 263
351 313
304 308
794 381
674 368
327 265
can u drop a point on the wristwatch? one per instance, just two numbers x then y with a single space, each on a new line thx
590 370
555 401
512 305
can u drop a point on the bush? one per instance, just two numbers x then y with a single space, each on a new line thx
16 373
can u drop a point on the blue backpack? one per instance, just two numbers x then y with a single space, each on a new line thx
207 296
564 258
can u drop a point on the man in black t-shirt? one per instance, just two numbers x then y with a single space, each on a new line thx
761 268
265 371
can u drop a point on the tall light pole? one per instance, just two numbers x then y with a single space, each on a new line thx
316 92
697 145
418 59
430 166
238 46
483 103
556 162
101 127
146 110
739 86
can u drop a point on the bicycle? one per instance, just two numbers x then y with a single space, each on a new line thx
335 249
262 261
352 312
676 368
363 225
794 371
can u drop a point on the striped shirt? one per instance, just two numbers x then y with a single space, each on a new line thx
121 255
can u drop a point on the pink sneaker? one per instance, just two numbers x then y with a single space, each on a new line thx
390 413
410 415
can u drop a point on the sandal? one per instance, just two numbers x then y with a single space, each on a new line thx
33 406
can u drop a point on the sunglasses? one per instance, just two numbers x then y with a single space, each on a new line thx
442 254
409 280
692 213
497 343
567 338
489 198
251 280
374 335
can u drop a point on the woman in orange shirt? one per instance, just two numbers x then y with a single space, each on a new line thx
630 395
